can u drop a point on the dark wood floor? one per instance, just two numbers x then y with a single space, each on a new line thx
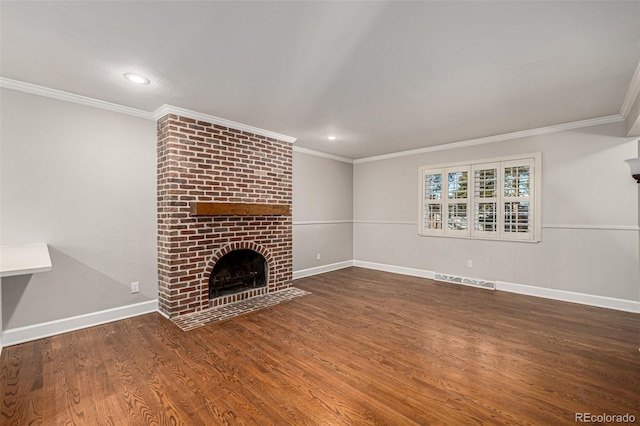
366 347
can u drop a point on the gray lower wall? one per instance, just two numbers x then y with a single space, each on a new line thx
590 238
82 180
333 241
322 211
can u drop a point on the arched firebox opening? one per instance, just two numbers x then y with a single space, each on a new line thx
238 271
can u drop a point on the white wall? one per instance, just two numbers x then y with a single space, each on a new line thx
322 212
590 237
82 180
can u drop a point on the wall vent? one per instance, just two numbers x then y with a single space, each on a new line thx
473 282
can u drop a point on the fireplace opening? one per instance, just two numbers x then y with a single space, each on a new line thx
237 271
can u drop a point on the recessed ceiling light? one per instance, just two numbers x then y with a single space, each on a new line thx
136 78
331 138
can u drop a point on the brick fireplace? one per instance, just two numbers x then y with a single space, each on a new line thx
202 167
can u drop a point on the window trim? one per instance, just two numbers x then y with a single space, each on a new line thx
535 188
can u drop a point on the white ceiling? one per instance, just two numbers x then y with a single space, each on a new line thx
382 76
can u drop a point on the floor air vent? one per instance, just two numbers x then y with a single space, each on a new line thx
489 285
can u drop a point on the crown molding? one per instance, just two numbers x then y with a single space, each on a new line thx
170 109
321 154
34 89
498 138
632 93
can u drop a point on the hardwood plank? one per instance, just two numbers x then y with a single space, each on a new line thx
238 209
21 384
366 347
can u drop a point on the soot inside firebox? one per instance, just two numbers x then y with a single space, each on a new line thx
237 271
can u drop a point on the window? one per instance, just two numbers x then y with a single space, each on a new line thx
432 201
489 199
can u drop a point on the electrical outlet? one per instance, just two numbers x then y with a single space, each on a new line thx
318 256
469 264
135 287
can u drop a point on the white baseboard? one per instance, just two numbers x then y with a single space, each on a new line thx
569 296
321 269
38 331
547 293
164 315
395 269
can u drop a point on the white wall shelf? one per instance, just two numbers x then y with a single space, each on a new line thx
24 259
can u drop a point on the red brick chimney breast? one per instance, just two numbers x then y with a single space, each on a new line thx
205 162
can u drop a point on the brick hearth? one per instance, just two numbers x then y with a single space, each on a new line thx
200 161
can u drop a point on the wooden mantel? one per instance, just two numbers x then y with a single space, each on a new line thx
238 209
